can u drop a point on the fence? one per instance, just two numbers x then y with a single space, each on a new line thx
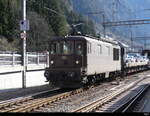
13 58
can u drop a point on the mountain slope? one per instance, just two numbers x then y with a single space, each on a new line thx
116 10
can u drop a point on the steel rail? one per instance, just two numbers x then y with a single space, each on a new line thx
46 101
37 103
14 101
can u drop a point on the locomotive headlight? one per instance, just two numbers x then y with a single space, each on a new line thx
77 62
52 62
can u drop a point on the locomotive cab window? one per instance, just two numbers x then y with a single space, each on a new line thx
79 48
67 47
53 48
61 47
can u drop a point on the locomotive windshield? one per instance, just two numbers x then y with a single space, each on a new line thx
66 47
62 47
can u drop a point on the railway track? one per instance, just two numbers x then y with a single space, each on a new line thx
129 105
8 105
30 104
35 103
96 105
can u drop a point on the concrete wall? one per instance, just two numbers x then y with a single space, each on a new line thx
14 80
17 68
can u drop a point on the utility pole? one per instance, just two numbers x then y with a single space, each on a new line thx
113 9
145 39
24 47
145 44
131 37
104 27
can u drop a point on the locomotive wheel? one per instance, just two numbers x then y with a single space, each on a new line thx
85 80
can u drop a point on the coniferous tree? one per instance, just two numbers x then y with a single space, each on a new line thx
47 18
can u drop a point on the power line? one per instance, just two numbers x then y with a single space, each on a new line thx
54 11
128 22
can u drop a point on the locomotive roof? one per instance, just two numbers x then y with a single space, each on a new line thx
70 38
89 38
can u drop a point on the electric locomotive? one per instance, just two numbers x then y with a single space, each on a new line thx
77 60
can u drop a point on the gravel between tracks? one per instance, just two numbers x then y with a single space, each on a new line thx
76 101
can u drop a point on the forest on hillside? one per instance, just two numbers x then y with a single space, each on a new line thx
48 18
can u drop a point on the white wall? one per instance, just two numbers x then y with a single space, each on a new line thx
14 80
